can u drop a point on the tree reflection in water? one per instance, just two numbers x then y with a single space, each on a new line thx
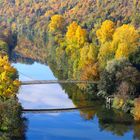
115 121
12 124
110 120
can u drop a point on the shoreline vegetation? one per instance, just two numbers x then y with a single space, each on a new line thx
12 124
112 58
81 42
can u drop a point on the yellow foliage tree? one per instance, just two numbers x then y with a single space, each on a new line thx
71 31
81 36
136 111
88 55
125 41
89 72
75 37
57 23
106 31
105 54
88 67
9 83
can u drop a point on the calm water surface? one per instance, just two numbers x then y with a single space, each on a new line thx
93 124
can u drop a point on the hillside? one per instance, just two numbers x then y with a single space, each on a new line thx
27 14
30 18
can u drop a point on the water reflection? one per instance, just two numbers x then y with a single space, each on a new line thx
68 126
97 123
44 96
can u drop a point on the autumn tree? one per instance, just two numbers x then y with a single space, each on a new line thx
57 23
136 110
105 32
105 54
81 36
71 31
105 35
125 41
76 37
88 55
9 83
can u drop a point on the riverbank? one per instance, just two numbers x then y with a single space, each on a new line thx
97 119
11 120
112 58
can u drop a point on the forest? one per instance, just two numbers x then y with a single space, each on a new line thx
82 40
10 108
30 19
111 57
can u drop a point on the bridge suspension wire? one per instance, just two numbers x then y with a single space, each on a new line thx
31 78
32 81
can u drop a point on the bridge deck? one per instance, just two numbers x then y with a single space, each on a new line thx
57 81
55 109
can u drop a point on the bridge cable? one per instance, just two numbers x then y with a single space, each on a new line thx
31 78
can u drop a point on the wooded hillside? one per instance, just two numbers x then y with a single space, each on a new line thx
27 14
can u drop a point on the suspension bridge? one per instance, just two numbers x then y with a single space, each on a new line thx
31 81
34 82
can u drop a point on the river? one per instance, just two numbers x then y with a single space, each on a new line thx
98 123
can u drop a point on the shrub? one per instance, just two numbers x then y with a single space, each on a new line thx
118 103
134 58
3 47
136 110
12 124
120 78
9 83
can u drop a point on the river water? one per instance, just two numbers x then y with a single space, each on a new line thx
97 123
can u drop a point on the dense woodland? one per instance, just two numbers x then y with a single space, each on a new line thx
84 39
111 57
11 122
31 18
28 14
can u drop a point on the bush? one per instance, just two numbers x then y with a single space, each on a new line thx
106 83
12 124
134 58
118 103
3 47
9 83
120 78
136 110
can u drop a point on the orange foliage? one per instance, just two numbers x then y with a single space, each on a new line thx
136 110
90 72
